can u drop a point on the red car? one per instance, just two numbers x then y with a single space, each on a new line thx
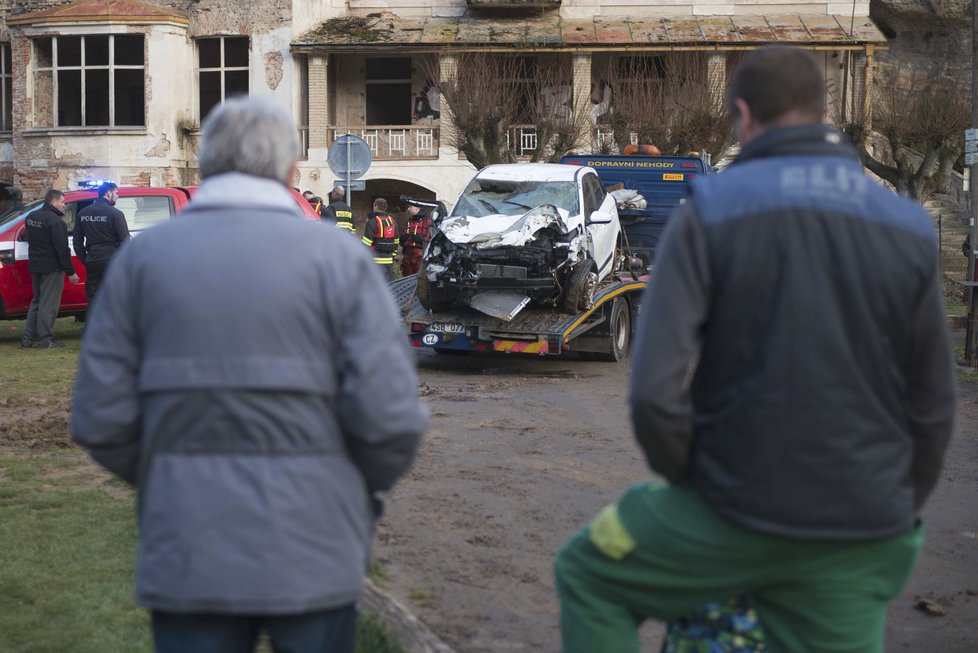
143 207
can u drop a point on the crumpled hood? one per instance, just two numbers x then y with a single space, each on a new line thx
503 230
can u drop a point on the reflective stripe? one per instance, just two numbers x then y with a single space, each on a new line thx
384 261
367 241
345 225
609 535
522 346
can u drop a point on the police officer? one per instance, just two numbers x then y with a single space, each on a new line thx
338 210
380 235
100 229
415 237
49 262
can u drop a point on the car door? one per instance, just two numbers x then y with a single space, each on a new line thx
604 233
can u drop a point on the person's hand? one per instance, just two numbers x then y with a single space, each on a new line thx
73 278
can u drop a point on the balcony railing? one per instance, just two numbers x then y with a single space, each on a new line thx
394 142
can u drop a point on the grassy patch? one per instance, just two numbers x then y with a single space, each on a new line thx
965 374
68 558
31 371
373 636
956 308
379 574
67 561
420 596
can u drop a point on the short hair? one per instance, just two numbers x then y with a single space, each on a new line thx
249 134
307 192
776 80
380 204
338 191
52 195
106 188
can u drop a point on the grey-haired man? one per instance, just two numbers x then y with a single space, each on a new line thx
258 409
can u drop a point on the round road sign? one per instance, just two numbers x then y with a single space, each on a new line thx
349 156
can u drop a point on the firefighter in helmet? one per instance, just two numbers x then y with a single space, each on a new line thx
414 240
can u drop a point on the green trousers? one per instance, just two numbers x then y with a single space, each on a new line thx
661 553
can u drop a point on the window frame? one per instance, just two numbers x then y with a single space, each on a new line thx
222 69
111 67
6 102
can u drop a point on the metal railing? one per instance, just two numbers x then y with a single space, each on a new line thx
393 142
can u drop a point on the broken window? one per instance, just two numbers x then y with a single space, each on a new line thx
388 92
6 118
222 70
90 81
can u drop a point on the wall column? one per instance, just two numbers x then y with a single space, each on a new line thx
868 92
582 98
447 74
716 76
318 94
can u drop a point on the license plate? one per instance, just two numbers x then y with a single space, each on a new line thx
669 177
447 327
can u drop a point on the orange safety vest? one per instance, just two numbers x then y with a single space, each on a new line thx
384 242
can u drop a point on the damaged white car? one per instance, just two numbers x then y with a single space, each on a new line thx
519 233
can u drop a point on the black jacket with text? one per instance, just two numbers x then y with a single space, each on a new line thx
100 229
793 363
47 237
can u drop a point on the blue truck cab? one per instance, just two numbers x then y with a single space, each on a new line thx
664 182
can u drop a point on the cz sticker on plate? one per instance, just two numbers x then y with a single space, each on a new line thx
672 177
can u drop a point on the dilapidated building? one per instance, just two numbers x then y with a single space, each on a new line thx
118 88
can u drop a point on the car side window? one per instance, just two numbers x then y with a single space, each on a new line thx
143 211
590 206
599 192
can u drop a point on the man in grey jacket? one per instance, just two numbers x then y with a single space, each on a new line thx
258 399
792 381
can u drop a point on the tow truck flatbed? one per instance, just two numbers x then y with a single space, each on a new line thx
604 329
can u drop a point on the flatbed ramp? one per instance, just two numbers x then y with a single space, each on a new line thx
534 330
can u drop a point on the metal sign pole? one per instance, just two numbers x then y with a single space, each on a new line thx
349 189
969 336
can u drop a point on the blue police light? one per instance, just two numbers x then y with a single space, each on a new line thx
93 184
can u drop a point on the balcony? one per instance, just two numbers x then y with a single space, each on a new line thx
394 142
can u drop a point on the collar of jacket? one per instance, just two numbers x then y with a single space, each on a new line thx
236 189
816 140
54 210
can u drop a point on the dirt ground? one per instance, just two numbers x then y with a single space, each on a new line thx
523 452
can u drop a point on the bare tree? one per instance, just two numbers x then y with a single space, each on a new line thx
918 122
481 114
492 97
672 101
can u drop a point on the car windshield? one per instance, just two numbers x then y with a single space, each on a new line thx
9 219
495 197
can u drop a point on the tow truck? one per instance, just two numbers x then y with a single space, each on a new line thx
602 332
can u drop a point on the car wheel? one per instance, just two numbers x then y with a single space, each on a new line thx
580 288
423 291
619 332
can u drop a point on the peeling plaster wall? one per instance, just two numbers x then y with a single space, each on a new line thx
307 14
589 8
160 153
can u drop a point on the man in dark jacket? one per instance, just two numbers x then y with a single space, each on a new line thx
100 229
338 211
380 235
797 394
259 411
48 263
